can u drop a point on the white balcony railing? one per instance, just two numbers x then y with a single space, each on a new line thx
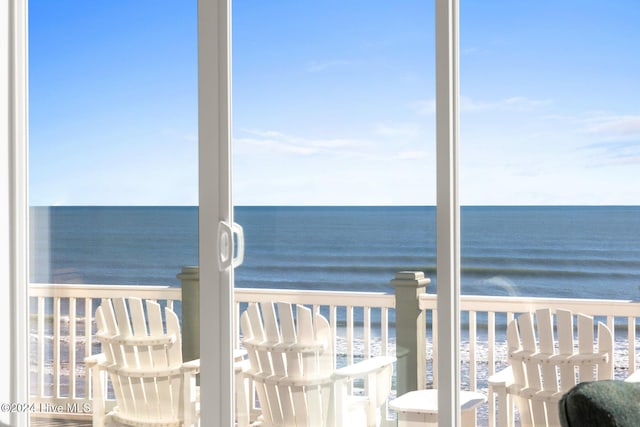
359 320
62 335
494 312
364 326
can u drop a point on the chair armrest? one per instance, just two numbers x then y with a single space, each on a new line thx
499 384
93 360
192 365
503 378
363 368
633 378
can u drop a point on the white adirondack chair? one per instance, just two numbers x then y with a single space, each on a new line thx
542 369
151 384
293 367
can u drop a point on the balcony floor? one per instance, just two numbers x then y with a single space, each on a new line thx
58 422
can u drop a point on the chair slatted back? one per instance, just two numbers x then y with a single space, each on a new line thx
545 367
143 360
292 362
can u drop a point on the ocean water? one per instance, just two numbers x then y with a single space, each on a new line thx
588 252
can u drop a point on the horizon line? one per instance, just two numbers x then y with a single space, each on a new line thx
335 205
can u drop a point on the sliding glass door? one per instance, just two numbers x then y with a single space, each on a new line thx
333 161
127 191
549 152
113 161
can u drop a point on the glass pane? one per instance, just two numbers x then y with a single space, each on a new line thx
549 143
334 156
113 183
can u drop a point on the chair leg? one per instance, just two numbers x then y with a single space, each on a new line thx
189 400
337 415
503 409
242 399
492 407
469 418
98 383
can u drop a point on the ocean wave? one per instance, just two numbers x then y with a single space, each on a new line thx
288 270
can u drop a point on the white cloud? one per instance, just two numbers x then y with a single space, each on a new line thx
515 103
278 146
614 127
621 160
524 103
617 138
410 130
266 133
473 51
468 104
412 155
318 66
337 143
284 143
425 107
177 134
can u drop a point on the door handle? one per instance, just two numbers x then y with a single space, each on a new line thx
226 249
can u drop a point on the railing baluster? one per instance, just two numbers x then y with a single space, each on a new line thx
333 323
631 337
434 347
72 347
633 362
40 350
367 332
56 347
611 324
491 340
472 351
349 335
236 329
384 330
88 343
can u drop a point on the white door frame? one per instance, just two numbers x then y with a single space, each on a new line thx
14 362
448 211
214 52
215 206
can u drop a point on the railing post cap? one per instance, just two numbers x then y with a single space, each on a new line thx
410 278
189 273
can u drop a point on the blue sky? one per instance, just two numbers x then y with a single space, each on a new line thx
333 102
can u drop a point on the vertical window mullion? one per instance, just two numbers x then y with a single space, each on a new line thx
448 212
216 286
14 218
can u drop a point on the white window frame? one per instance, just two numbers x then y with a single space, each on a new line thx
14 361
215 202
448 211
215 206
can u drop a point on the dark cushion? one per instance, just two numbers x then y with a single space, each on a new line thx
602 404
